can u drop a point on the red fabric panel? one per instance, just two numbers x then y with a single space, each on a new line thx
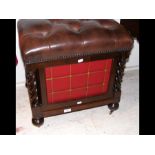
95 90
61 84
79 68
61 96
79 81
49 98
60 71
97 65
78 93
105 88
95 78
48 73
49 86
76 81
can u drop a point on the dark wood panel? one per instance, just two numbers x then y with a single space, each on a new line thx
77 107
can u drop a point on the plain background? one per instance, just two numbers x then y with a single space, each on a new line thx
133 62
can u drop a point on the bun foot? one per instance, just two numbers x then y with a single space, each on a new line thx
38 122
113 107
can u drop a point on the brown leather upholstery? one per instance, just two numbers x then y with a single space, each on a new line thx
45 40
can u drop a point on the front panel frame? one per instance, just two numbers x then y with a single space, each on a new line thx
37 88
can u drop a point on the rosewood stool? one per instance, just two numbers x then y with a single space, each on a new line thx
72 65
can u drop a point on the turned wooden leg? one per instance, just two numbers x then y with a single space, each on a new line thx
38 121
26 84
113 107
35 101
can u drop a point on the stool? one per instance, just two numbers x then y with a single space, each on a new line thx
72 65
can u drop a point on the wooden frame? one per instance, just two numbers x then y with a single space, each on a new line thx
35 82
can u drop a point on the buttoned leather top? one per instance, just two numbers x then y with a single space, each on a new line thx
46 40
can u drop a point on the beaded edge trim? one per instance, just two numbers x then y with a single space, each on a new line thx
40 60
